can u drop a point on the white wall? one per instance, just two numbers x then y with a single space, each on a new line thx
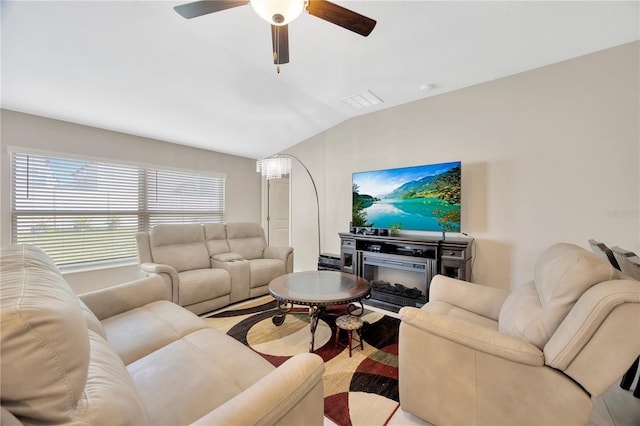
243 202
547 155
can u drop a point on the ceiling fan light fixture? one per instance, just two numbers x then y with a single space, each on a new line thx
278 12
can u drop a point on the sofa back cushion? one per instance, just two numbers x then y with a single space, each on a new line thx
45 340
181 246
562 274
109 396
216 237
54 369
246 239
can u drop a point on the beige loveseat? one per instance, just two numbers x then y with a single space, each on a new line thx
129 356
211 265
478 355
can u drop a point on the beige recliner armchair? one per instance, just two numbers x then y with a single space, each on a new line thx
480 355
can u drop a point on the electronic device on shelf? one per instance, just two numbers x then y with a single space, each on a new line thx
426 251
328 262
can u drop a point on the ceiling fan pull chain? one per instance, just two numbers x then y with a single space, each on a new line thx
276 52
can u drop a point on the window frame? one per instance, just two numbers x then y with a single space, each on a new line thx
142 215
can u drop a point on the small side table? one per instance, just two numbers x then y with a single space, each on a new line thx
349 323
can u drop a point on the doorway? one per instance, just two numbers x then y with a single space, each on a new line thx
278 212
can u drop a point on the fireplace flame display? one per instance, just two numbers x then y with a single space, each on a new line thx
383 290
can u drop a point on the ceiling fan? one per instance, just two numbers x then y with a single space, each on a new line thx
279 13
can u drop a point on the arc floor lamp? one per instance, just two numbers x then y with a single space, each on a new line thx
279 165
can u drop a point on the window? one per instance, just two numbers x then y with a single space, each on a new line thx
85 211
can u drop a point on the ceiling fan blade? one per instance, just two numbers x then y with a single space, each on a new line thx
204 7
340 16
280 42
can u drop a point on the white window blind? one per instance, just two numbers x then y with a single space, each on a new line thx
175 197
85 211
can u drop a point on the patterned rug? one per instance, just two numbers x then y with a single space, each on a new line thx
361 390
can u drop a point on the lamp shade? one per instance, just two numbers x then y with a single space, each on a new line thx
274 167
278 12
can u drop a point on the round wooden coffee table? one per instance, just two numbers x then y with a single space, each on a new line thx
317 289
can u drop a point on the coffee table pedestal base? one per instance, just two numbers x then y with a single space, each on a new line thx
315 312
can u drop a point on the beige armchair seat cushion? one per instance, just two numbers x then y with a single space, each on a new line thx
199 285
136 333
215 374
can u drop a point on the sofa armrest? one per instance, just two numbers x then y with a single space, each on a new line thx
473 336
283 253
274 399
239 272
591 310
143 244
168 273
114 300
476 298
226 257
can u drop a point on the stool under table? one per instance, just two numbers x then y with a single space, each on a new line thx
350 323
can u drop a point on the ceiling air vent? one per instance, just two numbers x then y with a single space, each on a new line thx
363 100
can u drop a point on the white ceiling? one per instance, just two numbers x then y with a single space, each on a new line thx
140 68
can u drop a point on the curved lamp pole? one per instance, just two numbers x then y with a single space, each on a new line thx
276 166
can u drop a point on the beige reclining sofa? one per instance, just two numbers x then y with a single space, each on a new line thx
127 355
478 355
211 265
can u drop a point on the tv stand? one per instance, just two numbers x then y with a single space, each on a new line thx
400 268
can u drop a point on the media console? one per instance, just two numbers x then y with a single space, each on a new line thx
400 268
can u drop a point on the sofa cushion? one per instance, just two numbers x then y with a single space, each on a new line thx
181 246
204 363
138 332
45 341
246 239
199 285
216 237
109 396
264 270
93 323
562 274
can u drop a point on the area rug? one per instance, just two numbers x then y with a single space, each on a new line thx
361 390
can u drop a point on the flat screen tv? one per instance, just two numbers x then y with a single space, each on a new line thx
419 198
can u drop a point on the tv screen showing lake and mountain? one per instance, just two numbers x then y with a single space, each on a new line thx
419 198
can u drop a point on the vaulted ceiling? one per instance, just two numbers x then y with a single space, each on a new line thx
140 68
